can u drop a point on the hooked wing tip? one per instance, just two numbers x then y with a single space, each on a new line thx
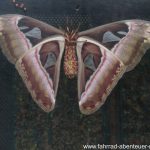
46 107
88 110
89 107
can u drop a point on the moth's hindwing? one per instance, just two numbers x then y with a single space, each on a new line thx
19 33
128 40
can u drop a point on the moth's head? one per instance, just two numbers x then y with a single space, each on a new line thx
71 34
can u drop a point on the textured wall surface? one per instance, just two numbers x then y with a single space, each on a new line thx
123 119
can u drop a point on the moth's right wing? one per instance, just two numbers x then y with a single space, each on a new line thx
99 70
127 39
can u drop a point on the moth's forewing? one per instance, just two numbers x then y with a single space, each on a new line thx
40 70
97 75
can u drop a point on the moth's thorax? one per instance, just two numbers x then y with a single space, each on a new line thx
70 58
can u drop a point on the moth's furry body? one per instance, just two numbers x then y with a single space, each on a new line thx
70 58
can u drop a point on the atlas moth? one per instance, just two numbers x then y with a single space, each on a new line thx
98 57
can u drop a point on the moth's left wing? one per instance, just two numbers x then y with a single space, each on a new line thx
40 70
36 49
20 33
98 72
128 39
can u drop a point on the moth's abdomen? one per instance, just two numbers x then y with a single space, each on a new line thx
70 62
